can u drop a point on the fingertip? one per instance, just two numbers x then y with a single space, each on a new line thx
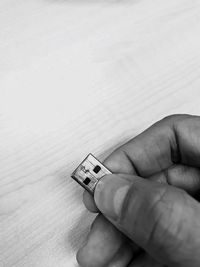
122 257
103 242
110 193
88 201
80 257
118 162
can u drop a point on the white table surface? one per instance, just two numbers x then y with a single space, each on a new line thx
80 76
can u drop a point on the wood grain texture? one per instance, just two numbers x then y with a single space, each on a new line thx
80 76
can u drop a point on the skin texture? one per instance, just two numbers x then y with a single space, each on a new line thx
159 224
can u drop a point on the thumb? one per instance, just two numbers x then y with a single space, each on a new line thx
162 219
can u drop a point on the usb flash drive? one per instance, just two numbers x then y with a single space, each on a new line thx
89 172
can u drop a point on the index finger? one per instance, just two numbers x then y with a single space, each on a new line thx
174 139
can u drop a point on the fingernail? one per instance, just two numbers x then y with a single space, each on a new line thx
109 195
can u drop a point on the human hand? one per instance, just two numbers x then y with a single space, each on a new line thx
155 221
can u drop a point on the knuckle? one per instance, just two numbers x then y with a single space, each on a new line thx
189 122
175 118
167 229
171 117
155 219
